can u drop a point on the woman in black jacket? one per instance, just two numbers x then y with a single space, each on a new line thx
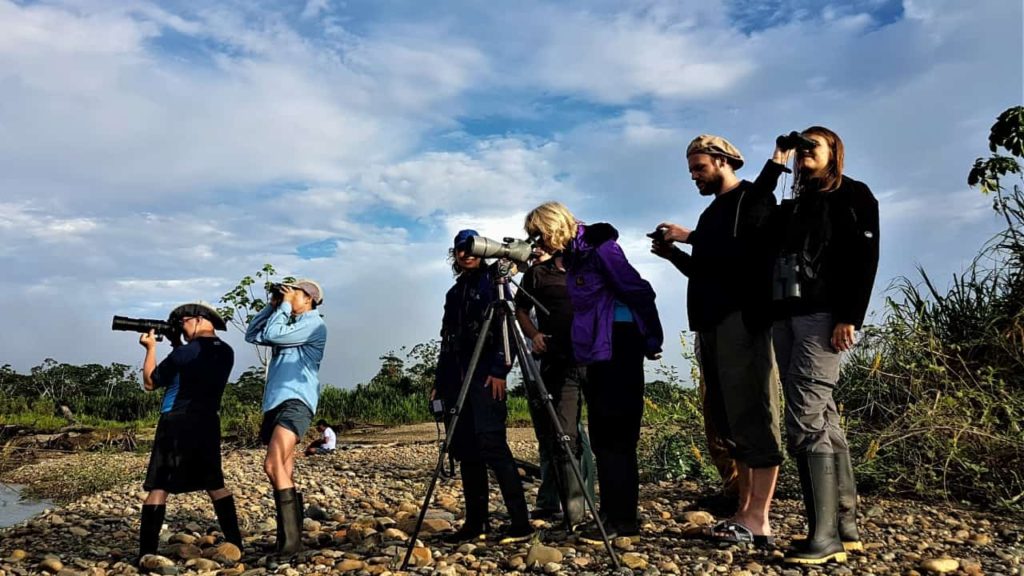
829 247
480 440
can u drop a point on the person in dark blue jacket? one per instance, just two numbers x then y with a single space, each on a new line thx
480 439
186 447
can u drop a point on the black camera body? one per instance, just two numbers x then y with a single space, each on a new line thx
658 234
786 278
144 325
795 140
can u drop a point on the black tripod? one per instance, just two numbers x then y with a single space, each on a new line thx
503 308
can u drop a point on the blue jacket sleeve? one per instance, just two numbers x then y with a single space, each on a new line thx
170 366
278 332
633 291
253 332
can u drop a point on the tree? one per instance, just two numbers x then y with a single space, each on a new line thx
242 302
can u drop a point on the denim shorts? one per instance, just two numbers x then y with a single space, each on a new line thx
292 414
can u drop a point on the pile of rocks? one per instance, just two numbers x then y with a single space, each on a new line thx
362 504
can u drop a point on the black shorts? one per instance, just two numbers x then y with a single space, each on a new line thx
291 414
186 454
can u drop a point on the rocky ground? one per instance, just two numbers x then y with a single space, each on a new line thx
362 502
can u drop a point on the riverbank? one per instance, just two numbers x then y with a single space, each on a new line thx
362 500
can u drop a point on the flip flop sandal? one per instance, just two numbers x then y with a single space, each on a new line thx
732 532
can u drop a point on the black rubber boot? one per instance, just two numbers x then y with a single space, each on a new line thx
474 490
818 483
289 521
574 504
848 533
149 530
227 517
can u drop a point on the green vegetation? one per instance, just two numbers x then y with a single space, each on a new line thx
932 397
935 393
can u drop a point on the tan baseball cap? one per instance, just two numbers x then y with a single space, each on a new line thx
715 146
309 287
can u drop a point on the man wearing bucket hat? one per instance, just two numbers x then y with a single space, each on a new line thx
729 307
186 448
293 328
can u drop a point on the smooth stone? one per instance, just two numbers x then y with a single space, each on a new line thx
552 567
543 555
17 555
182 539
315 512
940 565
228 551
202 564
186 551
51 564
980 540
634 561
155 561
421 556
699 518
623 543
349 564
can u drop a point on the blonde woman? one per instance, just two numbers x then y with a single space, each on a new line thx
615 326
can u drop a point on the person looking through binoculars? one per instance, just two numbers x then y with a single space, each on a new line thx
824 273
479 440
297 335
615 325
186 448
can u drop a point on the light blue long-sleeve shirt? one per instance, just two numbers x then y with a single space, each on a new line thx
297 349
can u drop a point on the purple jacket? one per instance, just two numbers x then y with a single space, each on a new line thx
598 274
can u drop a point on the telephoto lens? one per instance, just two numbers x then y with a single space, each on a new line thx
142 325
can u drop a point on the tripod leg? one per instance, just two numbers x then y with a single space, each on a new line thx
456 411
532 377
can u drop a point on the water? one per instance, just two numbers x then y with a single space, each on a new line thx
14 510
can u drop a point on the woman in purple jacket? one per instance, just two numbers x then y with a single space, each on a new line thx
615 325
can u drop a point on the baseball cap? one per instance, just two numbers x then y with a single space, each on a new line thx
309 287
463 236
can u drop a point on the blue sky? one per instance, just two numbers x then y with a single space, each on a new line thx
155 152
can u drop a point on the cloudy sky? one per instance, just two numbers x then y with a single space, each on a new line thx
153 153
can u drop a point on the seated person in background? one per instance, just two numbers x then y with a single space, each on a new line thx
327 442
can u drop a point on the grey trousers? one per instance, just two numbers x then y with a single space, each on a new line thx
809 367
742 390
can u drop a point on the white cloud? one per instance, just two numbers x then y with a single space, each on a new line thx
314 8
152 154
